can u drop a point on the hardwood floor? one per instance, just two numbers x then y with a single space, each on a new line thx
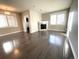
40 45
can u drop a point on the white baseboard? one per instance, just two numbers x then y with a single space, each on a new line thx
10 33
33 31
57 30
43 30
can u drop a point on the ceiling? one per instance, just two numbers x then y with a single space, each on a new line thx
42 6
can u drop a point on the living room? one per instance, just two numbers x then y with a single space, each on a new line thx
31 22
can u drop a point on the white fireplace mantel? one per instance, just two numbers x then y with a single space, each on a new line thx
43 22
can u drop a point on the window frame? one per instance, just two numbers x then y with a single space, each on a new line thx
59 13
8 21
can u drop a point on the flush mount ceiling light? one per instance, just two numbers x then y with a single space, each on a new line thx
7 12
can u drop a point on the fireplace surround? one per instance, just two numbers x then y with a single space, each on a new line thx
43 25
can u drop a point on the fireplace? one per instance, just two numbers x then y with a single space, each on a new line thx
43 25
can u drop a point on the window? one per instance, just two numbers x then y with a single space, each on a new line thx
8 21
57 19
60 19
53 19
3 21
12 21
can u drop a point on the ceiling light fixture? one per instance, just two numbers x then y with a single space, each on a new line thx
7 12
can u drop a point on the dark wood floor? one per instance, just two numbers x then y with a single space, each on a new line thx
40 45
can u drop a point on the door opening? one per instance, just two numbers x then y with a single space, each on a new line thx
27 24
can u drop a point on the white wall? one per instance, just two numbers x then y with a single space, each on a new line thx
24 15
35 17
72 31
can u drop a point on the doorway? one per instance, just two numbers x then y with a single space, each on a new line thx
27 25
26 22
